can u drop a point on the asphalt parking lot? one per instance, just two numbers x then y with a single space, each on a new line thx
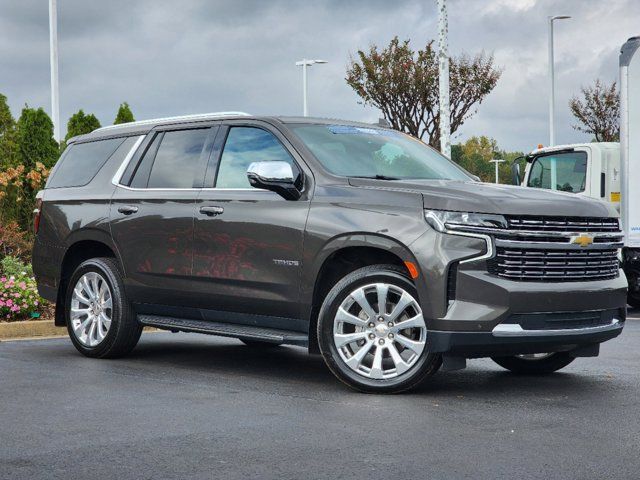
189 406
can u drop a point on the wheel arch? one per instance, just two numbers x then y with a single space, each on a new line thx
81 246
343 255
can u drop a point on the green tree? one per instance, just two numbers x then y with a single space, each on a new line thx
403 84
124 114
35 138
598 112
80 123
475 156
8 145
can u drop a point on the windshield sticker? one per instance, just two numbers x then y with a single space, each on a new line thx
350 130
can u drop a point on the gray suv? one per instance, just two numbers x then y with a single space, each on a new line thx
359 242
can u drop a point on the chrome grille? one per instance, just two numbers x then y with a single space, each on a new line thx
563 224
555 265
548 249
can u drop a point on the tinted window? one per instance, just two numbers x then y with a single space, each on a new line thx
244 146
81 162
354 151
567 170
141 172
179 162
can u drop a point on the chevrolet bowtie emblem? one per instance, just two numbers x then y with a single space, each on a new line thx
582 240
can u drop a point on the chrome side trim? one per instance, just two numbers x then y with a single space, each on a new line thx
515 330
125 163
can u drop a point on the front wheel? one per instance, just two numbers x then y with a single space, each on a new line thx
372 334
535 364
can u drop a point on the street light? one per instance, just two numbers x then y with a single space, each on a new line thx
552 91
53 52
304 63
497 162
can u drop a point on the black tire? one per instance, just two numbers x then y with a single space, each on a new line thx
124 331
258 343
540 366
427 363
633 299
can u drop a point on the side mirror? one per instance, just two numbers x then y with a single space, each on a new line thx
275 176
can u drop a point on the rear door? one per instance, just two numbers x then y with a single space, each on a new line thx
152 214
248 242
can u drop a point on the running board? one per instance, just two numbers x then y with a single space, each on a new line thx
248 332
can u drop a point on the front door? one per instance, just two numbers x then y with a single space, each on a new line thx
152 216
248 242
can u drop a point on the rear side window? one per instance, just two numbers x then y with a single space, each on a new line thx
176 159
81 162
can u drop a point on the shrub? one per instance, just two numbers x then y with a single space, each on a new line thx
19 297
14 242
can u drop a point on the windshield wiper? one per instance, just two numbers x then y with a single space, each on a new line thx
375 177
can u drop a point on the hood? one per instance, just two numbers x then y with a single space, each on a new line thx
492 198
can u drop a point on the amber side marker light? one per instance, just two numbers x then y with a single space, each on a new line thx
413 271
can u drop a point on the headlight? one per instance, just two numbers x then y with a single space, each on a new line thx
442 221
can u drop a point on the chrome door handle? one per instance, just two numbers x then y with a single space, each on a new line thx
211 211
127 209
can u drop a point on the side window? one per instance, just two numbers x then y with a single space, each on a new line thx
174 159
141 173
179 161
244 146
82 161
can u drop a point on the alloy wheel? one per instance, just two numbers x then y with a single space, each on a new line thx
91 309
379 331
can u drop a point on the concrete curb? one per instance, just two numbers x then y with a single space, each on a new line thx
30 329
37 329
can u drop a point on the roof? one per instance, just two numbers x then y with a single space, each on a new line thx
556 148
142 127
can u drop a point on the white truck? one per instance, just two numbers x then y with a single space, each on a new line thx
608 171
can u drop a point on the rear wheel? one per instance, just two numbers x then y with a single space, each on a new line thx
100 320
372 334
535 364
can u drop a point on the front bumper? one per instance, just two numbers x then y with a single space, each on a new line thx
512 341
493 316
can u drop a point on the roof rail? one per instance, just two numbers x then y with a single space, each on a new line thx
196 117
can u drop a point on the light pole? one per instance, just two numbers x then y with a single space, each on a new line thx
53 51
552 87
497 162
304 63
443 79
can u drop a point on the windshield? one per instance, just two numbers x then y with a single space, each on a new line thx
375 153
566 172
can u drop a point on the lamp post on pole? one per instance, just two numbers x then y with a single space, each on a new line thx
304 63
53 51
552 88
443 79
497 162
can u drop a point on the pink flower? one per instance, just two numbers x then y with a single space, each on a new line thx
22 285
3 279
9 303
1 303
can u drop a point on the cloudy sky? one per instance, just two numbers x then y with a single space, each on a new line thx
189 56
